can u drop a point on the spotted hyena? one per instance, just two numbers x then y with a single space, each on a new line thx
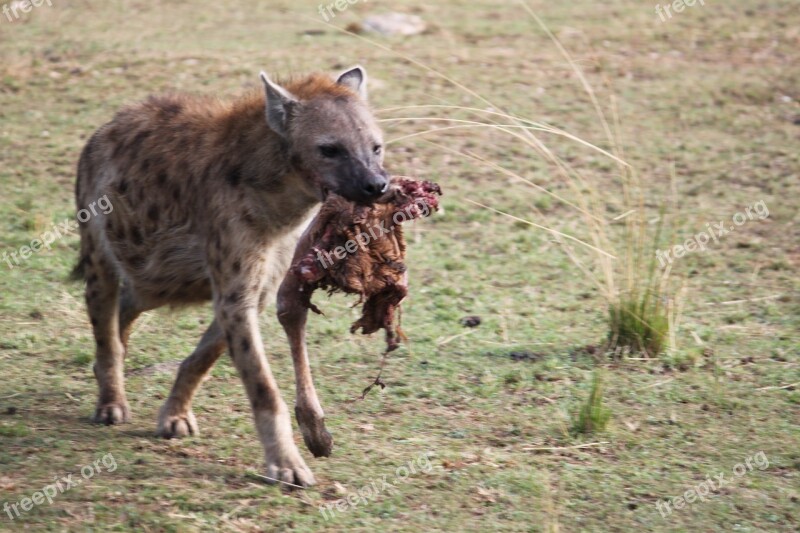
210 197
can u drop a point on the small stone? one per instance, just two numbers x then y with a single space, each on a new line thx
394 24
524 355
471 321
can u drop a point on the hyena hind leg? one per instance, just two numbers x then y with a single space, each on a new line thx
176 420
102 295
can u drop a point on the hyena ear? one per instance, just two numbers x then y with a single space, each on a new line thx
279 104
355 79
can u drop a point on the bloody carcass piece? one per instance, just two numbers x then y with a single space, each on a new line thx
360 250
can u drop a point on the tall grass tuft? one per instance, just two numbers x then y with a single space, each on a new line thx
641 314
593 416
639 324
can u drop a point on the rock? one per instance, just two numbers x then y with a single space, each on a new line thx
394 24
471 321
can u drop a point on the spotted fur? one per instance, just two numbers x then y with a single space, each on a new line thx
209 198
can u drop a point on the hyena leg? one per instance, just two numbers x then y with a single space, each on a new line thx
176 420
238 318
102 289
308 411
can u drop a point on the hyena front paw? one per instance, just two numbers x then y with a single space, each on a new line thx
289 468
112 413
317 438
172 425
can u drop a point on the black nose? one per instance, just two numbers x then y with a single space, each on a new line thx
376 186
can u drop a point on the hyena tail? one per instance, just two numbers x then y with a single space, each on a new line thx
78 272
84 179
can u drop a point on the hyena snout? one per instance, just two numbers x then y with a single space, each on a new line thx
367 187
375 185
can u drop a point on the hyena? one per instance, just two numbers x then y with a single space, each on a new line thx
210 197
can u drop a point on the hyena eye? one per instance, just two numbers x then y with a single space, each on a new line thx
377 149
331 151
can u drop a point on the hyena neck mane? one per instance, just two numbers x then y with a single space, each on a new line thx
253 156
259 160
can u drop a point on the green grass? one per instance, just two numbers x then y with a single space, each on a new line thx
639 324
708 112
593 416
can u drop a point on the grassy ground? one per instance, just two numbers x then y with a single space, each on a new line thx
709 96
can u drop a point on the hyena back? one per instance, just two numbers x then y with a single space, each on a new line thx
209 199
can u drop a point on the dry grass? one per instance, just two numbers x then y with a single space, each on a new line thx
702 115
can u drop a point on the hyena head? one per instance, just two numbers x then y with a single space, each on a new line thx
331 134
